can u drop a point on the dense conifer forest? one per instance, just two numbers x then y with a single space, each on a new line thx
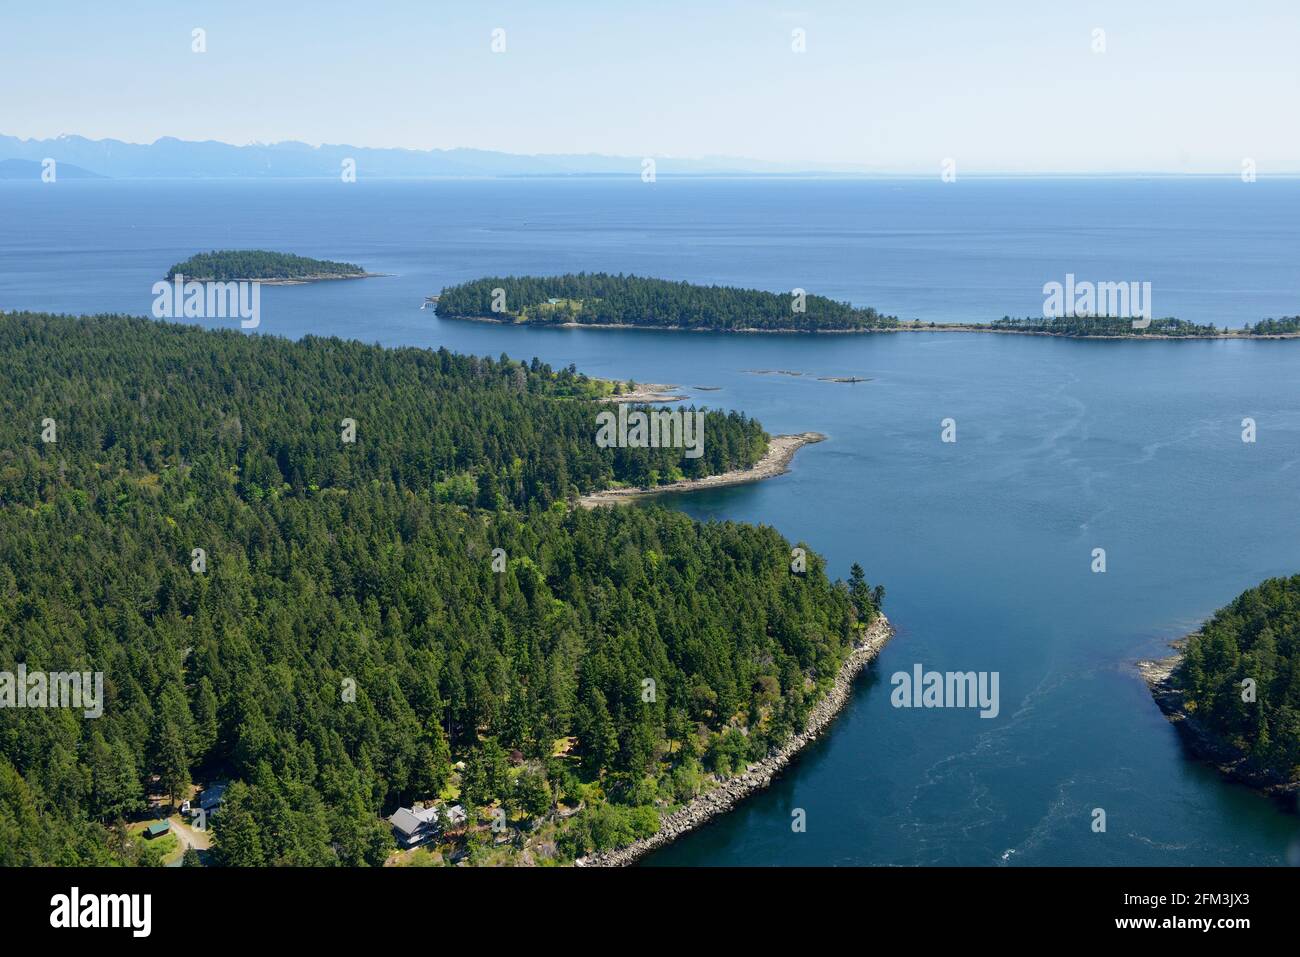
1256 637
604 299
231 264
370 614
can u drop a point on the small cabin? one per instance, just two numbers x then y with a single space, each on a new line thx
157 830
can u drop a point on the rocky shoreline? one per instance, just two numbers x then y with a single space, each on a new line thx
648 392
1200 742
725 796
776 461
295 280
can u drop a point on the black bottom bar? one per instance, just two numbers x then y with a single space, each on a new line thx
206 906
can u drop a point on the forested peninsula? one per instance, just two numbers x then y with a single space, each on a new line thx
259 265
1233 689
347 579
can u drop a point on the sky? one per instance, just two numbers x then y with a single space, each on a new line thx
1000 86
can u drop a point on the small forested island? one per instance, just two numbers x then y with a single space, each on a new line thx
602 299
233 265
329 581
1234 687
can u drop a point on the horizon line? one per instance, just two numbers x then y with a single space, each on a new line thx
834 169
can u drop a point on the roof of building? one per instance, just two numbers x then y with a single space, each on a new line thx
406 822
428 815
213 794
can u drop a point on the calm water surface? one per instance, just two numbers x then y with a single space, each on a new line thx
983 545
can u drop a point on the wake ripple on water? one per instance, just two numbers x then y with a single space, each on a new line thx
964 785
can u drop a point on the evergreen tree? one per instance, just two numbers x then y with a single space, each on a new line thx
237 838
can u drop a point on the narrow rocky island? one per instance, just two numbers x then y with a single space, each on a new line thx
1112 327
259 265
1231 690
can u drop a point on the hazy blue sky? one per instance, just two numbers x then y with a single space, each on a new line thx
1184 85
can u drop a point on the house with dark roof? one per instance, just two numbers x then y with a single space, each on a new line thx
212 796
414 826
208 802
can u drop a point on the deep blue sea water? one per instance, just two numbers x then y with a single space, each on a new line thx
984 545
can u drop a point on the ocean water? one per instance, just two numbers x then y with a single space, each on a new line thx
984 545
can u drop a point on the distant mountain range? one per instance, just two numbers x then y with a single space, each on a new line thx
187 159
32 169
